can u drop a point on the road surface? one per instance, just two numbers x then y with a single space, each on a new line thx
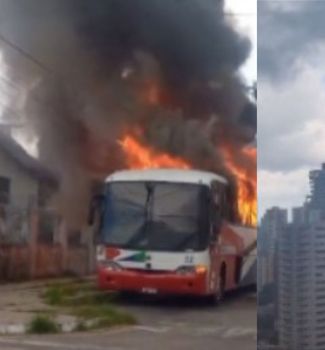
165 324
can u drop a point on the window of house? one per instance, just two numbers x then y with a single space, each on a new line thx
4 190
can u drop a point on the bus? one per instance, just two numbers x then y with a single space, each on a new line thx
170 231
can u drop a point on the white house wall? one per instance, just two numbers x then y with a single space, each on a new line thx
23 186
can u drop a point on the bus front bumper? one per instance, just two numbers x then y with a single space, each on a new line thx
152 283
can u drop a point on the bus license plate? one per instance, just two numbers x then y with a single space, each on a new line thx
149 290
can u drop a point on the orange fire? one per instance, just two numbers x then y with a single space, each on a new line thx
246 185
139 156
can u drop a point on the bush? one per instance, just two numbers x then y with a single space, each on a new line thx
42 324
92 308
58 293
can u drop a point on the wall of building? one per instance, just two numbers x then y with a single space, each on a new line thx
302 288
24 187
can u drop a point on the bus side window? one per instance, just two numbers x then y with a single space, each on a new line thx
216 208
220 194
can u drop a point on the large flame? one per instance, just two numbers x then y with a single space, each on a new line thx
246 184
139 156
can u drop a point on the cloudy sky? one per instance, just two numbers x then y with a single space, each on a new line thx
291 95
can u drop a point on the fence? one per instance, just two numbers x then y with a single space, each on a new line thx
34 243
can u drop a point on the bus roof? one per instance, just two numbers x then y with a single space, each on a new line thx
167 175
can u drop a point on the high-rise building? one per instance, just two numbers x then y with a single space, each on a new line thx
300 215
272 224
317 187
301 287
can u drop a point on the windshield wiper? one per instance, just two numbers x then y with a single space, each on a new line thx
143 231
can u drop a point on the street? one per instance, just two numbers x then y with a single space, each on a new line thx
164 324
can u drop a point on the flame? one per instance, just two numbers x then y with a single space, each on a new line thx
139 156
246 184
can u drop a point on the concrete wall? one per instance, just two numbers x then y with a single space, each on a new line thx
24 187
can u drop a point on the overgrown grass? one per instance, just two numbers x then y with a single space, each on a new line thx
103 315
54 295
60 293
43 324
93 309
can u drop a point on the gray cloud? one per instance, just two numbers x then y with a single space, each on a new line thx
291 129
291 122
286 33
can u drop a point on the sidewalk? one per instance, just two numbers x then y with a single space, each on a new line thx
20 302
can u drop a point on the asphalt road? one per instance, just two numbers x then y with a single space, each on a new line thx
165 324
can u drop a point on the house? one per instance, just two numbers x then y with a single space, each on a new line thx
33 243
23 180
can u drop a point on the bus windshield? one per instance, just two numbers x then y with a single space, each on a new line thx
155 216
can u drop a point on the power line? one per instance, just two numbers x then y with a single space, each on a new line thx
41 65
25 54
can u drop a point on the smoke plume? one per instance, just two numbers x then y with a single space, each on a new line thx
164 70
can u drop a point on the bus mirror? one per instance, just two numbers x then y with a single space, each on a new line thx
91 216
95 205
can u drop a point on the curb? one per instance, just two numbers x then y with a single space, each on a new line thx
21 328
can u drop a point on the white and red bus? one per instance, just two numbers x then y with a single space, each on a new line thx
171 232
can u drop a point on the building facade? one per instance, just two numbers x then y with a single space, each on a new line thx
22 179
317 186
271 226
301 277
301 286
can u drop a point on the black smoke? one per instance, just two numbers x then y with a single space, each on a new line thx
98 55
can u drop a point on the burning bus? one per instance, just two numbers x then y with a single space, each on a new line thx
172 231
147 94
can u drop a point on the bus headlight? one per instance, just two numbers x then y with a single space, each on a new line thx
111 266
191 270
186 270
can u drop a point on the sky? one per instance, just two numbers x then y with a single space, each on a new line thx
291 95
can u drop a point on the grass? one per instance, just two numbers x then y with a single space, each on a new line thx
42 324
103 315
93 309
59 293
